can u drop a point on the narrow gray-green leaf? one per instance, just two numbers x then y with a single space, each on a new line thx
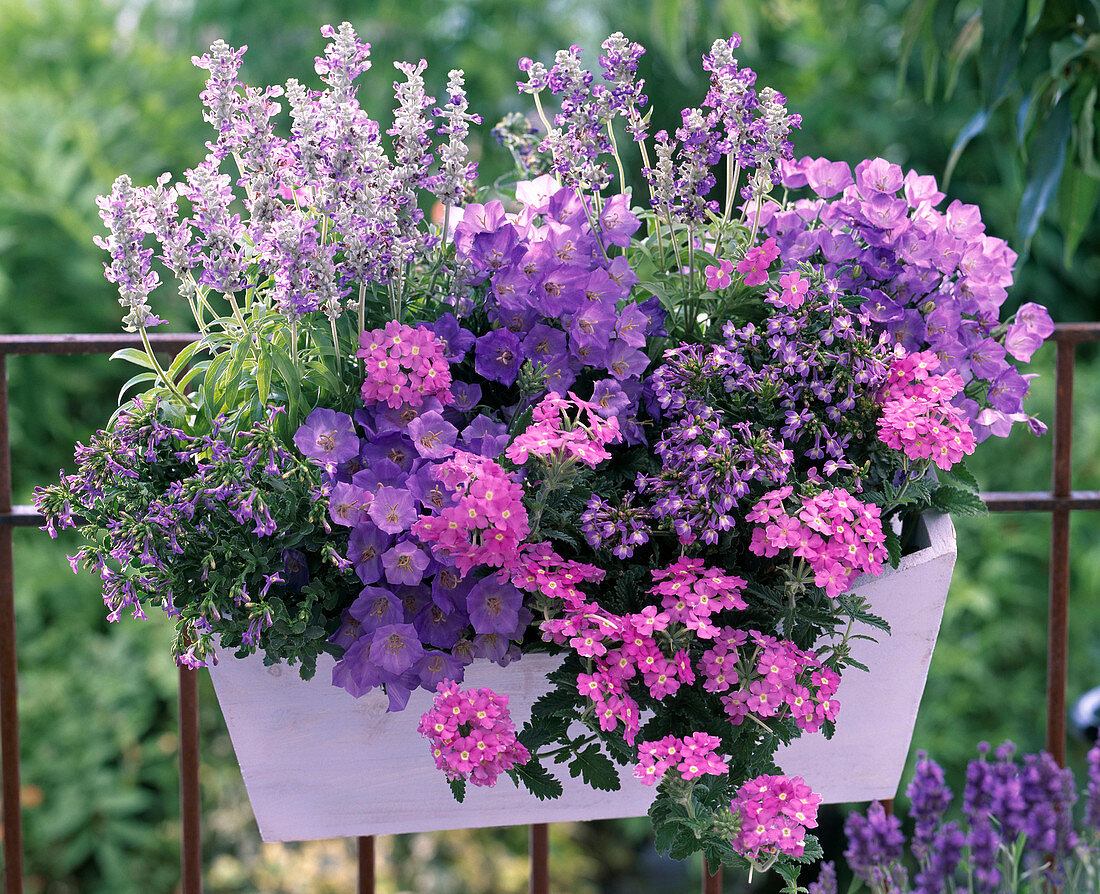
971 129
1048 158
1077 200
134 356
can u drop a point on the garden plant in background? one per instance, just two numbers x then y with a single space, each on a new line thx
659 436
1016 834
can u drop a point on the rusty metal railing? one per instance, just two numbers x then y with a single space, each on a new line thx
1061 501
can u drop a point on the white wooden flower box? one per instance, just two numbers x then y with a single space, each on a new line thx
318 763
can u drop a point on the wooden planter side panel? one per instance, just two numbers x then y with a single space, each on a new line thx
318 763
878 710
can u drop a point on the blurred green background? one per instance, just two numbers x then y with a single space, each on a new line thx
93 88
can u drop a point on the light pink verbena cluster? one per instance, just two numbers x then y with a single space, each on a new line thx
487 523
772 679
838 536
918 416
775 812
777 680
404 366
691 756
471 734
566 430
691 592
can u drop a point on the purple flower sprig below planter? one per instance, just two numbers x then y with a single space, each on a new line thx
1016 834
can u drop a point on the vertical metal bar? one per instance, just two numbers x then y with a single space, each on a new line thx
9 668
190 807
712 884
366 864
540 858
1058 615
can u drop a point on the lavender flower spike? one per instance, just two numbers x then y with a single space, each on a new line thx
126 215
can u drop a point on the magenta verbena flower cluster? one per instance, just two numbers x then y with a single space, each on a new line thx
775 812
658 430
472 734
403 366
835 533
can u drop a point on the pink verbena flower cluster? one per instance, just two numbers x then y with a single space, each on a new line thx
917 414
487 523
540 569
566 430
648 643
754 266
777 680
691 757
691 592
838 535
471 734
775 812
403 365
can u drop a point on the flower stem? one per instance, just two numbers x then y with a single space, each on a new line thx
161 374
618 161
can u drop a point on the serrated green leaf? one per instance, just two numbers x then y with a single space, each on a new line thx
595 768
960 477
893 546
789 873
539 781
958 502
458 789
560 700
547 730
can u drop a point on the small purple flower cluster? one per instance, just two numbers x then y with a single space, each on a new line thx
165 497
875 844
1004 800
735 416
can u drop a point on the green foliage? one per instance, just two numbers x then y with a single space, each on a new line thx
595 768
1042 59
